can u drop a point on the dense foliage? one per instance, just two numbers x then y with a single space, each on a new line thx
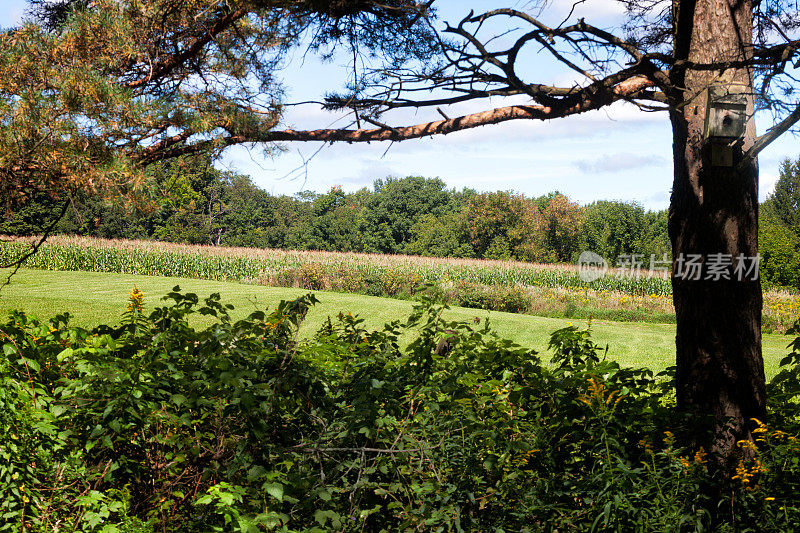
91 93
192 202
779 232
162 425
189 201
118 85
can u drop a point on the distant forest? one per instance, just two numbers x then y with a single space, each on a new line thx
189 201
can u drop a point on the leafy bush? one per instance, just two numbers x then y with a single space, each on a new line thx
348 279
283 278
466 294
780 250
158 426
395 282
312 276
513 299
309 276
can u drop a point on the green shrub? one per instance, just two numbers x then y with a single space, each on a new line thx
466 294
312 276
779 247
392 281
373 284
156 425
347 279
514 299
309 276
284 278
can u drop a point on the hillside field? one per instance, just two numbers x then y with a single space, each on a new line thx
93 297
545 290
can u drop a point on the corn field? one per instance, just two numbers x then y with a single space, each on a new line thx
259 266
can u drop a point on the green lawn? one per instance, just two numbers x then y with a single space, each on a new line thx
94 297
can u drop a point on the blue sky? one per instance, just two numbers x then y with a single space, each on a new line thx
618 153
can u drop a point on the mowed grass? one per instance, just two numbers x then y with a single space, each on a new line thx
95 298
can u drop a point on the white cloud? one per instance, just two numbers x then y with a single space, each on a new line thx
619 161
597 9
657 201
603 13
766 184
12 13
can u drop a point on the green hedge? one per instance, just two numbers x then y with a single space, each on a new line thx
158 426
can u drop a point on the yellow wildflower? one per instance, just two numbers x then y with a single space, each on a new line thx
136 300
745 473
778 434
742 473
750 445
599 395
700 456
647 445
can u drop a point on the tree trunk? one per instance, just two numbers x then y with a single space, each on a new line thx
714 210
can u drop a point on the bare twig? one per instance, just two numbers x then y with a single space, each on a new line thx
17 264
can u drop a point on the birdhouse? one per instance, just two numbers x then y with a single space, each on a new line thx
726 113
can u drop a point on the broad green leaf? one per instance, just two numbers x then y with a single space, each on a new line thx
66 353
275 490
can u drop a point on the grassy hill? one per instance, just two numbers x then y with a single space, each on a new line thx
93 297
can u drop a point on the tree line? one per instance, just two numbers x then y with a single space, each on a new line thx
189 201
779 231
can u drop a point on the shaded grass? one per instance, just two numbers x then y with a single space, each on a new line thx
616 315
95 298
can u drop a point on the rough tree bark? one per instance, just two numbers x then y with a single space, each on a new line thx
714 210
